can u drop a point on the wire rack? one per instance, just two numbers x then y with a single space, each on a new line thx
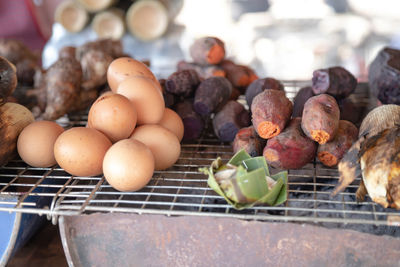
182 190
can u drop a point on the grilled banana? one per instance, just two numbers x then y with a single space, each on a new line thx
377 155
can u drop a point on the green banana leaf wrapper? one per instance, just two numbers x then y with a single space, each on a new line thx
245 181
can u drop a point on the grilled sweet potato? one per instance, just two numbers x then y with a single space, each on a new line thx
271 110
261 85
207 50
300 99
320 120
182 83
192 122
248 139
291 149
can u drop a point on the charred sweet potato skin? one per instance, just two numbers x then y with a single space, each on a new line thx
271 110
182 82
260 85
248 139
320 120
335 81
211 94
291 149
192 122
204 72
227 122
332 152
300 99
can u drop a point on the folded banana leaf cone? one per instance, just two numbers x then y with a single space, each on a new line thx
245 181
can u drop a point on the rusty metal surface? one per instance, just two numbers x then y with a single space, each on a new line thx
117 239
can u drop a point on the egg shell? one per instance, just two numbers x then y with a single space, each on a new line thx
146 98
125 67
172 122
114 115
128 165
163 144
80 151
35 143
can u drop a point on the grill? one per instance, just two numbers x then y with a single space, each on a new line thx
182 190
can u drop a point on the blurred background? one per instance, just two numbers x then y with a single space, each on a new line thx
285 39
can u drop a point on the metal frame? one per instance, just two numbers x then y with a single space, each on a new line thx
182 190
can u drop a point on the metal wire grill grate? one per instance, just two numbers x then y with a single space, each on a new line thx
182 190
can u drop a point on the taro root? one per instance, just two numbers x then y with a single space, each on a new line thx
300 99
8 79
182 83
384 76
192 122
320 119
14 118
203 72
207 50
248 140
60 87
25 61
335 81
291 149
211 94
229 120
245 181
333 151
261 85
271 110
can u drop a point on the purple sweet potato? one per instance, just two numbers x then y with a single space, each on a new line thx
320 120
235 94
211 94
248 139
271 110
332 152
227 122
300 99
335 81
261 85
351 111
207 51
203 72
291 149
384 76
183 82
169 99
192 122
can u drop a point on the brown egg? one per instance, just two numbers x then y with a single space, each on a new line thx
163 144
128 165
80 151
146 98
172 122
114 115
36 143
125 67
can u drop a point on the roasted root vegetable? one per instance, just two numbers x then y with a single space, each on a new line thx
13 119
376 153
229 120
351 110
211 94
207 51
192 122
300 99
333 151
238 75
291 149
203 72
384 76
169 99
248 140
182 83
260 85
335 81
320 120
245 181
60 87
8 79
25 61
271 110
